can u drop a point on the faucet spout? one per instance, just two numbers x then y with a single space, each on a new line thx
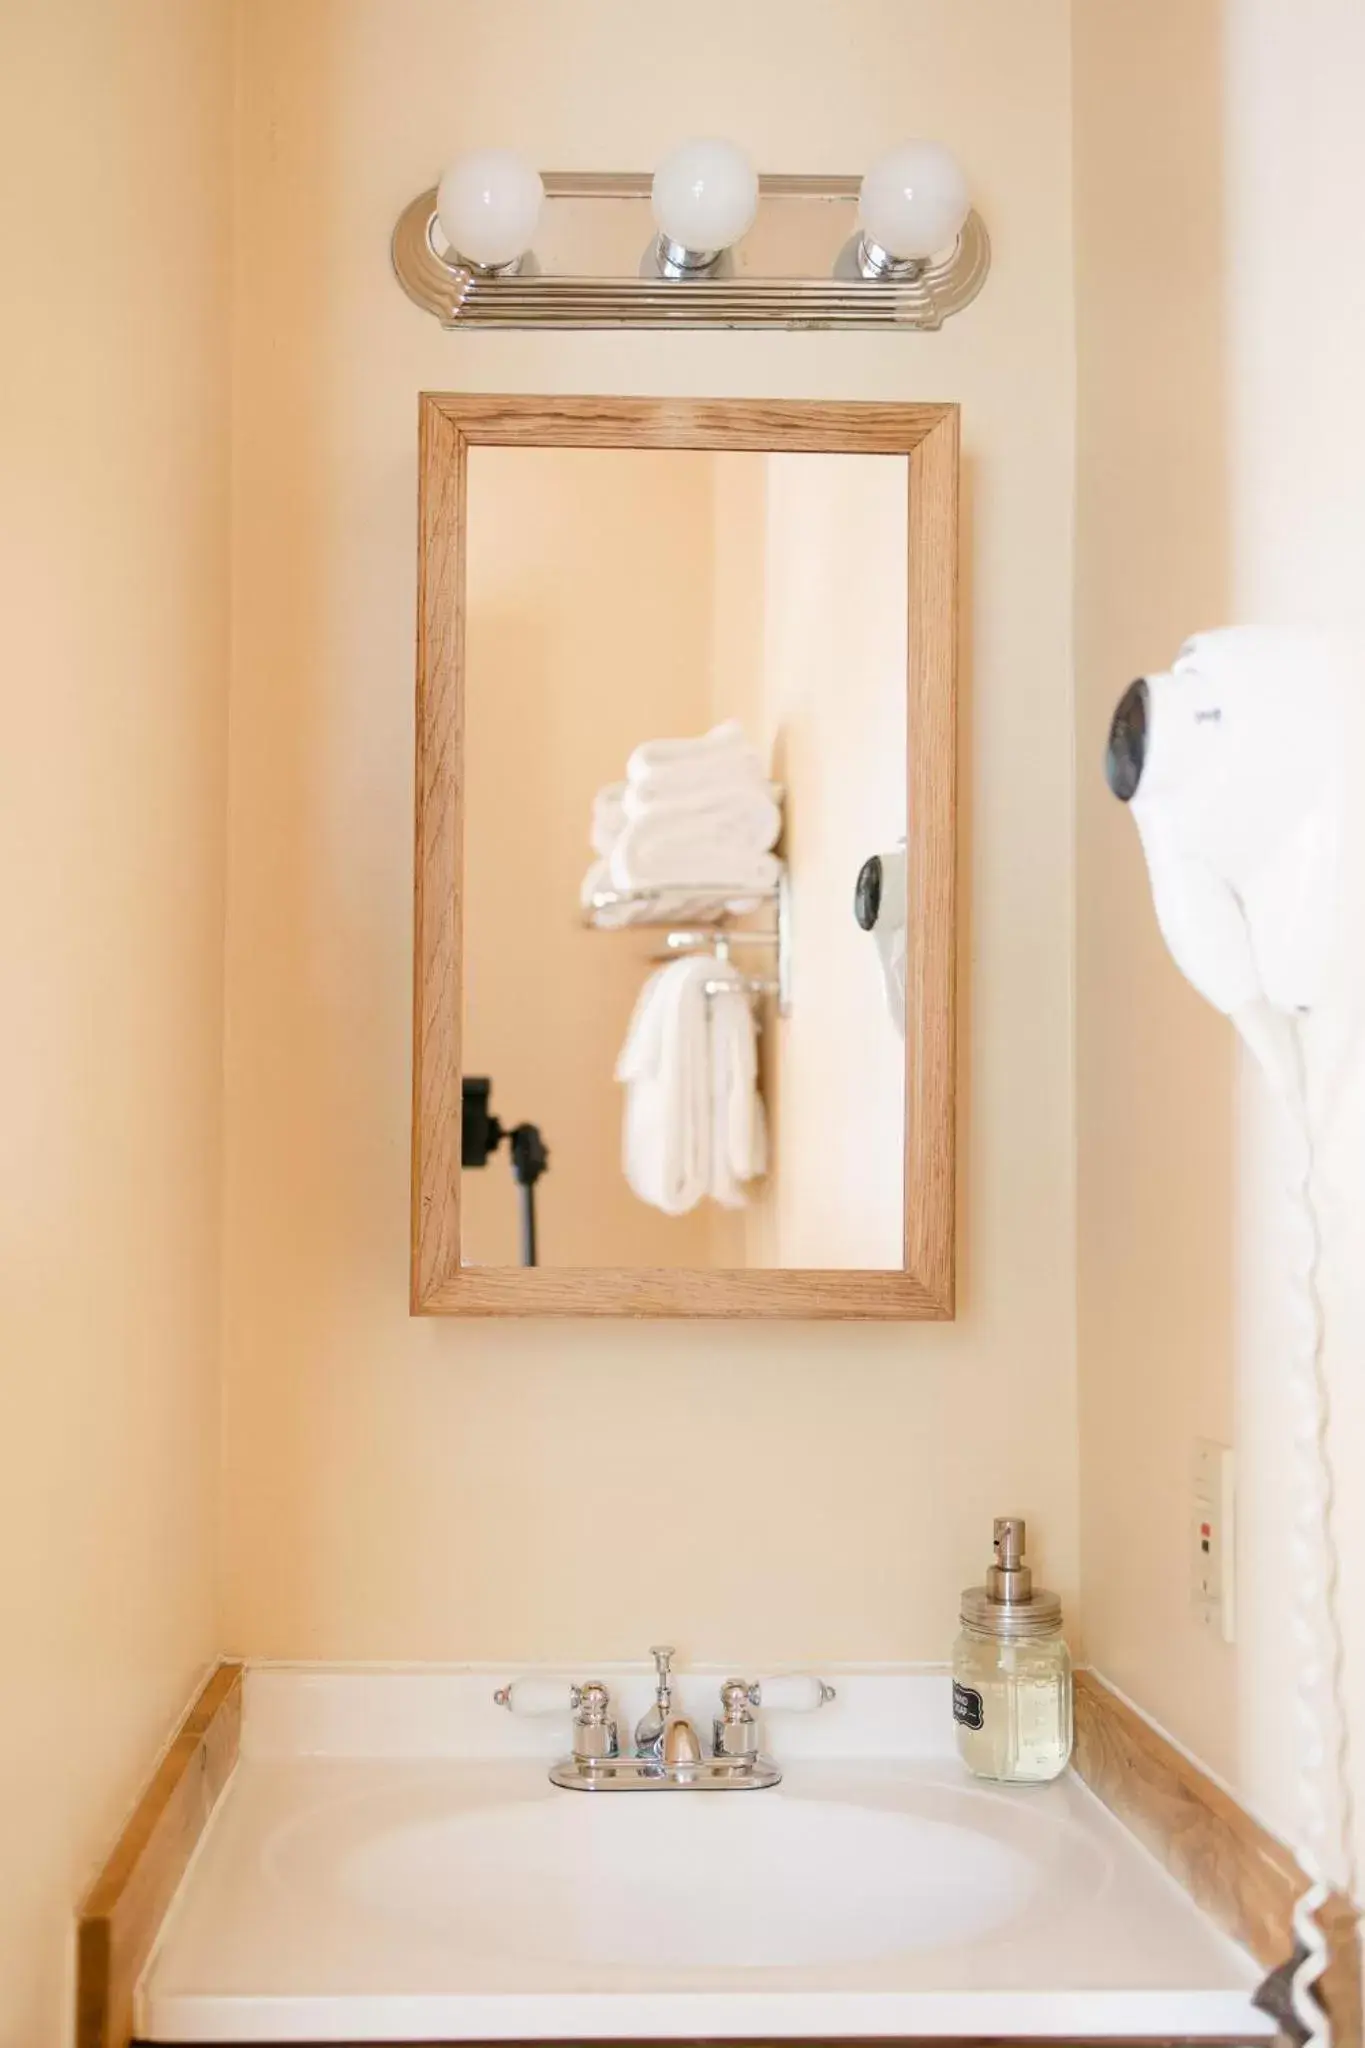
681 1745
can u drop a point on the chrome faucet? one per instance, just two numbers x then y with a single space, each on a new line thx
667 1752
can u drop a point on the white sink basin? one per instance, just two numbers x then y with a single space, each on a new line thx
756 1879
390 1863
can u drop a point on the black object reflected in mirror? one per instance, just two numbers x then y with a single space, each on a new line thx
1126 754
481 1134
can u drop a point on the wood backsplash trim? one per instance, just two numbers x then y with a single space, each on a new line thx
1238 1873
126 1904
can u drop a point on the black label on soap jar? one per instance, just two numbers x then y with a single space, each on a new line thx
969 1709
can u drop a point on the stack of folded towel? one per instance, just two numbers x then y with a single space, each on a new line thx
691 817
694 1122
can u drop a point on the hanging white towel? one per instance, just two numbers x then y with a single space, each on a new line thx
739 1135
666 1066
694 1122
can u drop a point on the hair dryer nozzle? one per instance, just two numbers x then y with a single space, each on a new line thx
1126 752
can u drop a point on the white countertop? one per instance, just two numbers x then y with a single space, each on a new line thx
388 1864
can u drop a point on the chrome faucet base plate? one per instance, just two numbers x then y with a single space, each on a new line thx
648 1774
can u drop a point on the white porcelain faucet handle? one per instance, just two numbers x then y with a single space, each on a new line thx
792 1692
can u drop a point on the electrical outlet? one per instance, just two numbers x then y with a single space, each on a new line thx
1211 1538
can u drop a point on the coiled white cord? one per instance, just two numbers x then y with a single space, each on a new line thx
1324 1848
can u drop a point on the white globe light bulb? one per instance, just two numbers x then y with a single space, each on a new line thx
705 195
914 201
488 204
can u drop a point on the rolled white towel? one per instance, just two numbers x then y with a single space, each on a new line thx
721 759
608 817
665 1066
751 808
659 851
691 778
711 746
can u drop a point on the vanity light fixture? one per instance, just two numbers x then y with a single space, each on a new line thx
912 207
496 244
705 197
488 208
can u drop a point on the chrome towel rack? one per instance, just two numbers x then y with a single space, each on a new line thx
712 927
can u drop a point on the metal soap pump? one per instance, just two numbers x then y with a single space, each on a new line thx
1012 1672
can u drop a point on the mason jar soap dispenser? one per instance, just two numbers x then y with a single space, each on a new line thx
1012 1672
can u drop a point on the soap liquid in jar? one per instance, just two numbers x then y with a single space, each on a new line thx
1012 1706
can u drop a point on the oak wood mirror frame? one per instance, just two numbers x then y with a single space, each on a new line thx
450 424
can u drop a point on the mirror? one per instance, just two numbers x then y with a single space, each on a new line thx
620 605
699 904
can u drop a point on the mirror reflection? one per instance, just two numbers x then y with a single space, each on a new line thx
685 816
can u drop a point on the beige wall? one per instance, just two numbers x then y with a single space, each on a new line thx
834 709
580 642
422 1488
1154 1063
113 639
1221 477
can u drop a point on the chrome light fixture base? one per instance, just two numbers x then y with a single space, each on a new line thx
673 259
797 267
874 261
451 261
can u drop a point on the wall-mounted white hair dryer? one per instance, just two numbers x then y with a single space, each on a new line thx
1231 766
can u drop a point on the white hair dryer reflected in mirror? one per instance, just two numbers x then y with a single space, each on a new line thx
1231 764
879 905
